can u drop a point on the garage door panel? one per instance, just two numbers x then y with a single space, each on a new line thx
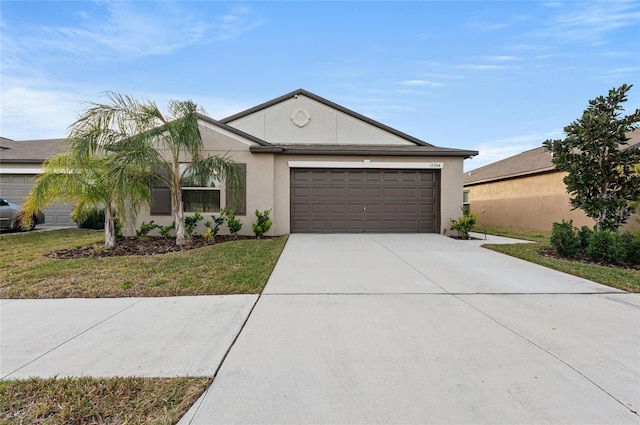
16 188
370 200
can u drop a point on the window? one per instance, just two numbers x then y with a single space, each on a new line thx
465 201
160 199
200 195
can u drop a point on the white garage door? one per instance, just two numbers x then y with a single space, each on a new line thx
16 187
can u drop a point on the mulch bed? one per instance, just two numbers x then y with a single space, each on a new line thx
581 258
148 245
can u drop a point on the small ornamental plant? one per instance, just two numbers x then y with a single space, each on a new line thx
262 224
214 228
464 223
234 224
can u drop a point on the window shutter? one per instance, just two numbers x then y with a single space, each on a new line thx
238 203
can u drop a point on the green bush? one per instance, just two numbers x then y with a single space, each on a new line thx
93 219
234 224
217 222
565 239
190 222
465 223
606 246
262 224
631 244
165 231
145 228
584 234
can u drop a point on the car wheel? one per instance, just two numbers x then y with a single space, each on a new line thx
32 225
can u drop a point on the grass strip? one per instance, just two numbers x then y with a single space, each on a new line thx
616 277
99 401
237 267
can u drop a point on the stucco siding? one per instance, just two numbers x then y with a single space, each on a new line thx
323 125
533 202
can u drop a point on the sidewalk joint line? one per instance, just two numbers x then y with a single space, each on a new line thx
530 341
72 338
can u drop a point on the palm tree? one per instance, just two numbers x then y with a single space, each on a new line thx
91 182
139 133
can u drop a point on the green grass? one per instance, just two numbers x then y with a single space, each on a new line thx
237 267
616 277
98 401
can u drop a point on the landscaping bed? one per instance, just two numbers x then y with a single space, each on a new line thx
81 270
148 245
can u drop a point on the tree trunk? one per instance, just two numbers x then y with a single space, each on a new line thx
178 215
109 228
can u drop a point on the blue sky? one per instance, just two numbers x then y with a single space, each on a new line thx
498 77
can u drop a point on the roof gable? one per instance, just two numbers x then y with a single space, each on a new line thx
301 117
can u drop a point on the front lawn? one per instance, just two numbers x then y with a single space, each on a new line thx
99 401
236 267
616 277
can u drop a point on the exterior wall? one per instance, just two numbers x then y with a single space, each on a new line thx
259 190
531 202
450 184
325 125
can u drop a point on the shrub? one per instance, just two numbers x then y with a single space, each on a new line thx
606 246
465 223
218 221
234 224
93 219
262 224
190 223
165 231
145 228
584 234
631 244
564 239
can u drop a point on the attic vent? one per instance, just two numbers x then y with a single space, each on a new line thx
300 117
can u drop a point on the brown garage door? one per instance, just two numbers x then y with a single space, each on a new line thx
360 200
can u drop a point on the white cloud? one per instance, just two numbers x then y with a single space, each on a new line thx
420 83
590 21
37 113
496 150
131 30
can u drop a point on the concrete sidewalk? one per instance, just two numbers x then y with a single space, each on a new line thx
362 329
425 329
153 337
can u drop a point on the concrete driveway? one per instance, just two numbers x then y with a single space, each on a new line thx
425 329
362 329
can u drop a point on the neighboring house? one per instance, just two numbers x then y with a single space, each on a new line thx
323 168
20 164
526 192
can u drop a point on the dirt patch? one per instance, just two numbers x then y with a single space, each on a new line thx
148 245
581 258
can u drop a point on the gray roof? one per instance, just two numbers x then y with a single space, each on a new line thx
369 150
534 161
421 148
29 151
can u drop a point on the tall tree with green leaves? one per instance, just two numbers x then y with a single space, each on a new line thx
91 182
600 177
161 141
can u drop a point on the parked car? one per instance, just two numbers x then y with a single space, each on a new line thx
10 215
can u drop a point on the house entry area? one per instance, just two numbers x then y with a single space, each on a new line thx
364 200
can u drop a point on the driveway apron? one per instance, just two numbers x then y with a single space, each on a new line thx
426 329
